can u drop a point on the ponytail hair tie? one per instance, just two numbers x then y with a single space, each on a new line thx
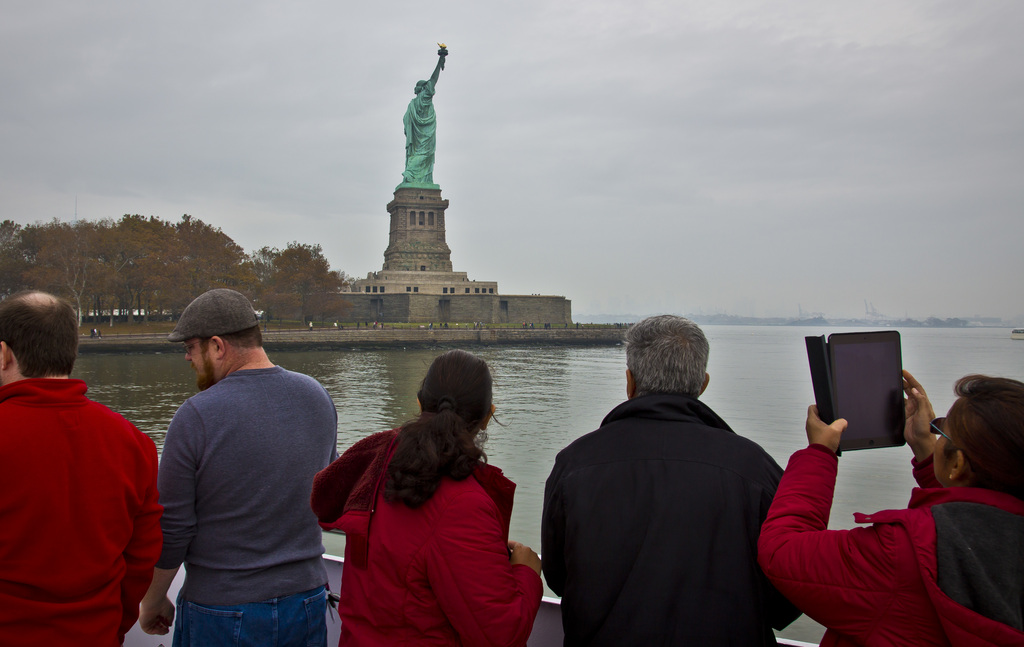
444 403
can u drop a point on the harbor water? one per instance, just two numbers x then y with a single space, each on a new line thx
548 396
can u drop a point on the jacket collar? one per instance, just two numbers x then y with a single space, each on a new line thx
670 407
43 391
928 497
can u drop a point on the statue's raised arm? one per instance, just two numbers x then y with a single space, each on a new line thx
420 124
441 54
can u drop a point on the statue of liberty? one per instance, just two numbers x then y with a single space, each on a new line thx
421 129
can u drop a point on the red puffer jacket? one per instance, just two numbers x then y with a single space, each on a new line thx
435 575
891 583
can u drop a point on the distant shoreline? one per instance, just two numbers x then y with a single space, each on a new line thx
368 339
349 338
737 320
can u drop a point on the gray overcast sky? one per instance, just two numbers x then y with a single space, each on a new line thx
744 156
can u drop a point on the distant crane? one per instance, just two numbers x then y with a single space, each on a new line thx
870 312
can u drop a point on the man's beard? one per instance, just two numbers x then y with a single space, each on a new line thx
204 373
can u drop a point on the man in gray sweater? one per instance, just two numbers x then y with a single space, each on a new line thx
235 478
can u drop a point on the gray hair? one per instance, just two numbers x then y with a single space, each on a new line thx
667 354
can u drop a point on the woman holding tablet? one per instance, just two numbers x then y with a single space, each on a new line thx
948 569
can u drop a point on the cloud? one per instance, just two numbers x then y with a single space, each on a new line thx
665 156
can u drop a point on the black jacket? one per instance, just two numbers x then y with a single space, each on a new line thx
649 531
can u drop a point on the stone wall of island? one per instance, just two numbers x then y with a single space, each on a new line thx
363 338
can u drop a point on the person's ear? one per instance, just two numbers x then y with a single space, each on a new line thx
707 378
217 346
9 369
630 385
6 355
960 472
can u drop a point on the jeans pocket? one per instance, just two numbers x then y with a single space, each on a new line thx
212 627
316 619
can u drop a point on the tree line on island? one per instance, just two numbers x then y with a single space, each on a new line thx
138 269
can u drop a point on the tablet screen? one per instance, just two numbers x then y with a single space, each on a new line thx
867 377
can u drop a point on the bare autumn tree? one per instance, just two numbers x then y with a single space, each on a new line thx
207 258
329 302
13 263
275 304
62 258
137 257
298 282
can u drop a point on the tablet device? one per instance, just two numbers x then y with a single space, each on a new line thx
865 372
821 377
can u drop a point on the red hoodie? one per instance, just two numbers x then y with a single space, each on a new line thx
79 517
918 576
438 574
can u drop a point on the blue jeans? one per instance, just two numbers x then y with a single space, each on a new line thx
298 620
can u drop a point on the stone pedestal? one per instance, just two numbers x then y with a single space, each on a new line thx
417 237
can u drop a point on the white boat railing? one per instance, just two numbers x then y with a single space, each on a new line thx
547 628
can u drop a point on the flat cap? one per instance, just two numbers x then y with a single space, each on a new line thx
217 312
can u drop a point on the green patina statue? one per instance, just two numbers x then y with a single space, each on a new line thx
421 129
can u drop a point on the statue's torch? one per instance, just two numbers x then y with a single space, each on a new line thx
442 53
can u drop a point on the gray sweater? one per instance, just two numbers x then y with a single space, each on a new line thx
235 479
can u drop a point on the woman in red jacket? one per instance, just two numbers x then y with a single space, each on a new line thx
948 569
426 519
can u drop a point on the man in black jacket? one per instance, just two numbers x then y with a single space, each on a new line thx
650 523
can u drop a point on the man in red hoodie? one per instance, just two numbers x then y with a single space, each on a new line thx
78 497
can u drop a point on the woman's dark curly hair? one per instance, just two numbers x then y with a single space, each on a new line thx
455 401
